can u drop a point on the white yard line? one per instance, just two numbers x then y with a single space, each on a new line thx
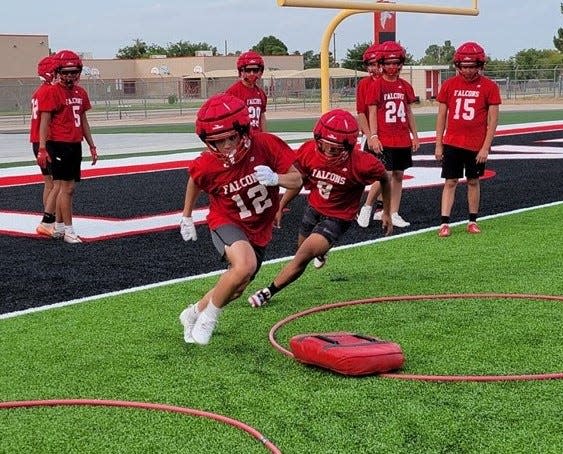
214 273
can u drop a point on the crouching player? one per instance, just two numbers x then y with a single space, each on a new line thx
241 172
336 171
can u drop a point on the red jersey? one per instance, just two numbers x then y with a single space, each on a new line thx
337 189
391 99
235 196
39 99
67 109
254 97
468 107
362 90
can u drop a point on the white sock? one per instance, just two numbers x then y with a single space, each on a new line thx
59 227
69 229
212 311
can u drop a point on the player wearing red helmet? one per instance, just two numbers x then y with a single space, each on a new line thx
250 67
336 172
69 67
63 127
392 127
370 58
242 174
469 59
46 72
465 128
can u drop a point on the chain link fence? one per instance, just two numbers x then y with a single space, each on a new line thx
172 96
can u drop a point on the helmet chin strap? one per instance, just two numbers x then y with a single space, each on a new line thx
235 155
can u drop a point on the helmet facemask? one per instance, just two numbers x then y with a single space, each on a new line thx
230 147
469 60
223 124
251 74
392 66
336 135
69 67
469 70
373 67
69 76
334 153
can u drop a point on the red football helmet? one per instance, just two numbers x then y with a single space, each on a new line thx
220 116
371 53
46 68
68 67
470 52
339 130
250 58
391 50
67 59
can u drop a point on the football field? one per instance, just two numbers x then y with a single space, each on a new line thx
95 326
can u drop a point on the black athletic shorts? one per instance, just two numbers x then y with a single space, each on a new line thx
455 160
66 158
314 222
397 158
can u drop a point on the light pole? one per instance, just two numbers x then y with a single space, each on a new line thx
334 49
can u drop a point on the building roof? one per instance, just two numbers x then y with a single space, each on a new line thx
312 73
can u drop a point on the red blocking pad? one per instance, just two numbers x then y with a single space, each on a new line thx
347 353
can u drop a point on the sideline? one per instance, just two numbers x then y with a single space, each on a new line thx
15 149
281 259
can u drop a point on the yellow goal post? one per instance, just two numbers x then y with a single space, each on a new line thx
355 7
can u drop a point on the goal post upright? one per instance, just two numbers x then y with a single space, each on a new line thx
355 7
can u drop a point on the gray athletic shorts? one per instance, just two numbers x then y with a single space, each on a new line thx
227 234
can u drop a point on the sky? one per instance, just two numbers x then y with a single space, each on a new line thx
503 27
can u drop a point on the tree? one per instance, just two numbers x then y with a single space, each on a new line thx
354 57
558 40
187 49
270 45
438 55
137 50
312 60
536 63
140 49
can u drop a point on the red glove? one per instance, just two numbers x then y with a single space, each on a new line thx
43 157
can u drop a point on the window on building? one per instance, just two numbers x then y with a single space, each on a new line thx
129 87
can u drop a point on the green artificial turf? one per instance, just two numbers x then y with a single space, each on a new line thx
130 347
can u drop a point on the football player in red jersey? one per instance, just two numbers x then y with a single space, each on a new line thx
250 67
465 127
393 128
370 57
336 172
46 72
241 172
63 127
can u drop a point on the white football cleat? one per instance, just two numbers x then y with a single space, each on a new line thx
188 317
363 217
